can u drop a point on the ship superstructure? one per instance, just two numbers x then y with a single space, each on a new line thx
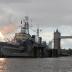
24 34
23 44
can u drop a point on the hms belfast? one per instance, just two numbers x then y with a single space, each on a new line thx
23 44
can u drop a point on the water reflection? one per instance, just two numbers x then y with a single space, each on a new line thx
2 59
3 67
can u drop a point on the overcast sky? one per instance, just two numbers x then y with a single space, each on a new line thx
48 14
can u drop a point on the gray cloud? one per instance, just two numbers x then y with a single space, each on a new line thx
44 12
15 1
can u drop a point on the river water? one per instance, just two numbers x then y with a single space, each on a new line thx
62 64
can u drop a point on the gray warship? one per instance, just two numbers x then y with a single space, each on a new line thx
23 44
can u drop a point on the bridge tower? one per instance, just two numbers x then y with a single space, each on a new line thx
57 36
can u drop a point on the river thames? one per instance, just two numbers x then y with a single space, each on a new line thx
62 64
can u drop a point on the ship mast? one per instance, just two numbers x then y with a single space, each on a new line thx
37 32
25 27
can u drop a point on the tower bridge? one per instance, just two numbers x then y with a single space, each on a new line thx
57 39
57 44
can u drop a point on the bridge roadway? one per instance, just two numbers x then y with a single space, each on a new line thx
65 37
